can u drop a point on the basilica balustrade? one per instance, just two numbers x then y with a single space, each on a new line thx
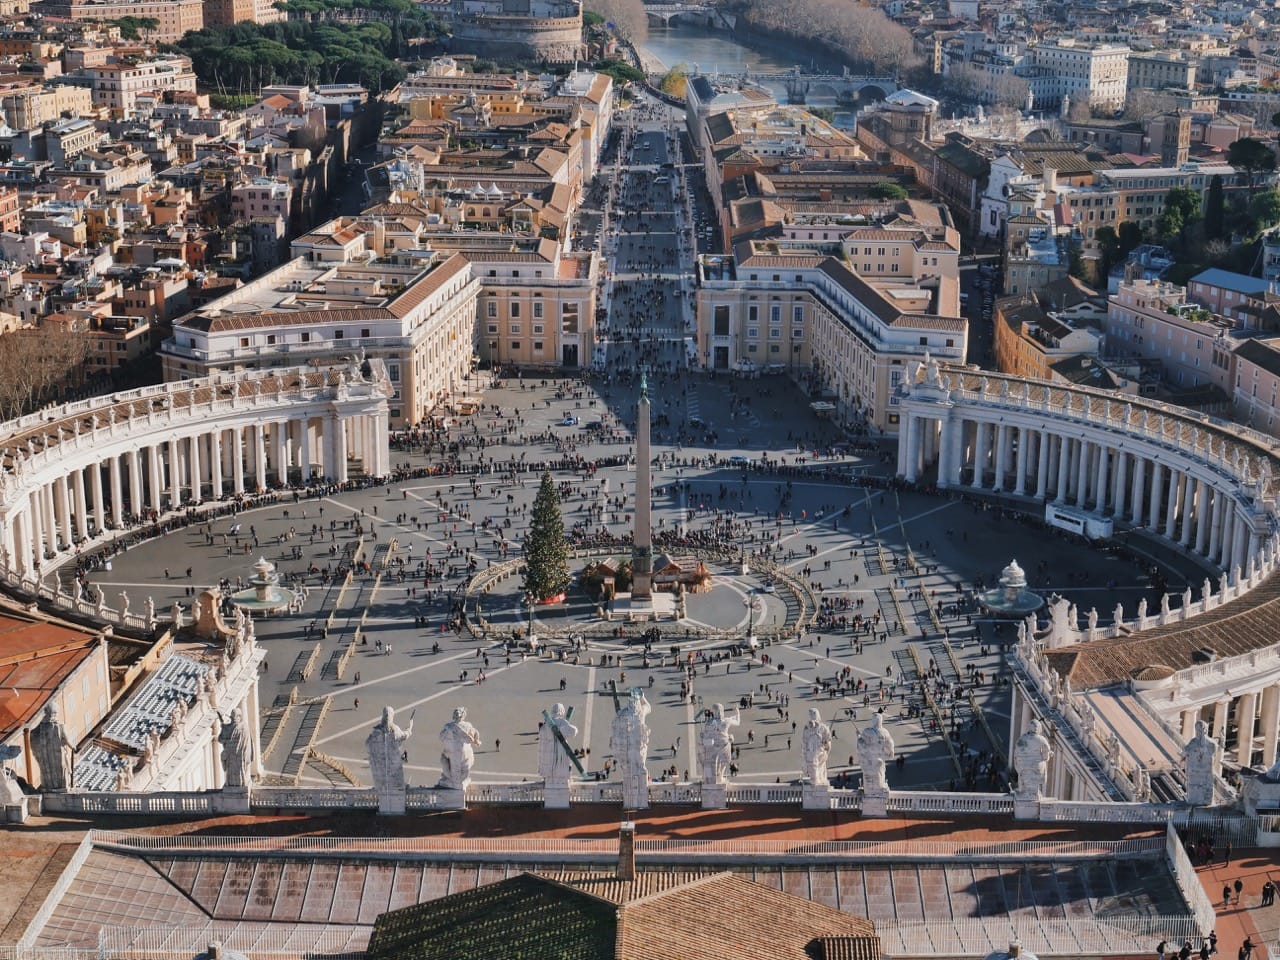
75 476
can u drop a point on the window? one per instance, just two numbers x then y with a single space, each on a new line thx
393 372
775 313
306 336
271 338
797 314
753 313
493 309
515 329
493 328
515 310
720 322
537 346
753 333
537 310
775 333
364 331
515 346
924 341
537 328
338 334
244 341
774 348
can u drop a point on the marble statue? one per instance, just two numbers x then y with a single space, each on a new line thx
1206 588
1117 615
175 613
149 612
1093 621
1031 761
555 764
53 751
458 757
1142 612
629 740
875 750
385 745
124 605
237 751
715 744
1061 624
815 747
1200 759
1164 605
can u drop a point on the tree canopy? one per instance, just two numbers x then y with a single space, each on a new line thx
247 56
1252 156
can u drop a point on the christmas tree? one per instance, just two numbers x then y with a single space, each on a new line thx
545 553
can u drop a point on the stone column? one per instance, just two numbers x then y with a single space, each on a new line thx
1137 494
1188 502
380 441
339 431
1189 723
1202 517
62 507
1157 493
1120 488
1064 470
133 463
282 452
1240 545
19 543
1082 474
1246 718
175 476
980 441
1102 482
1171 509
1270 723
1042 465
1020 463
215 465
35 510
1228 531
117 492
95 489
155 468
1215 526
49 493
237 461
905 469
258 441
197 468
1220 718
79 505
304 448
1002 457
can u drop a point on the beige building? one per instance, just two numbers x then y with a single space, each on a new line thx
1256 393
1029 342
225 13
802 310
30 107
416 314
119 85
176 17
1153 320
1097 73
1160 70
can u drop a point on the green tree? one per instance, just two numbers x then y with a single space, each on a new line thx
1252 156
1264 208
1214 209
546 556
888 191
1130 235
1109 246
1181 210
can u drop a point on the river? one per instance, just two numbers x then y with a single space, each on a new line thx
710 52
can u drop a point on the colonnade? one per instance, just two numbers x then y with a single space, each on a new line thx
114 459
1079 449
1255 714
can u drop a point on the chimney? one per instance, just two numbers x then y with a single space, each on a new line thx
627 851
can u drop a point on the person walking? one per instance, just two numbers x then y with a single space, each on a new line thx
1239 888
1226 895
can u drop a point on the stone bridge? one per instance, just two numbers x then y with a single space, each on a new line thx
666 12
839 86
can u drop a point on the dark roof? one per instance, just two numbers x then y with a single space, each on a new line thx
965 159
1263 353
523 916
657 916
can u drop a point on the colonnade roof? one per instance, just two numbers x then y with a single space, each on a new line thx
49 428
1248 623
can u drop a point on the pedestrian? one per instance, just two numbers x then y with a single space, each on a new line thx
355 704
1239 888
1226 854
1226 895
497 745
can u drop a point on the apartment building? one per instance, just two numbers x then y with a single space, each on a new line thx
1141 191
119 85
1153 320
1161 70
29 108
536 305
1029 342
1097 73
1255 399
174 17
262 197
418 314
804 311
225 13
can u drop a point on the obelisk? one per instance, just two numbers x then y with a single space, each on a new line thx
642 537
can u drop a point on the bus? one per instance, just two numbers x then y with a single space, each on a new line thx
1079 522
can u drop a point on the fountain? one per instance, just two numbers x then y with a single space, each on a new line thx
264 595
1011 599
